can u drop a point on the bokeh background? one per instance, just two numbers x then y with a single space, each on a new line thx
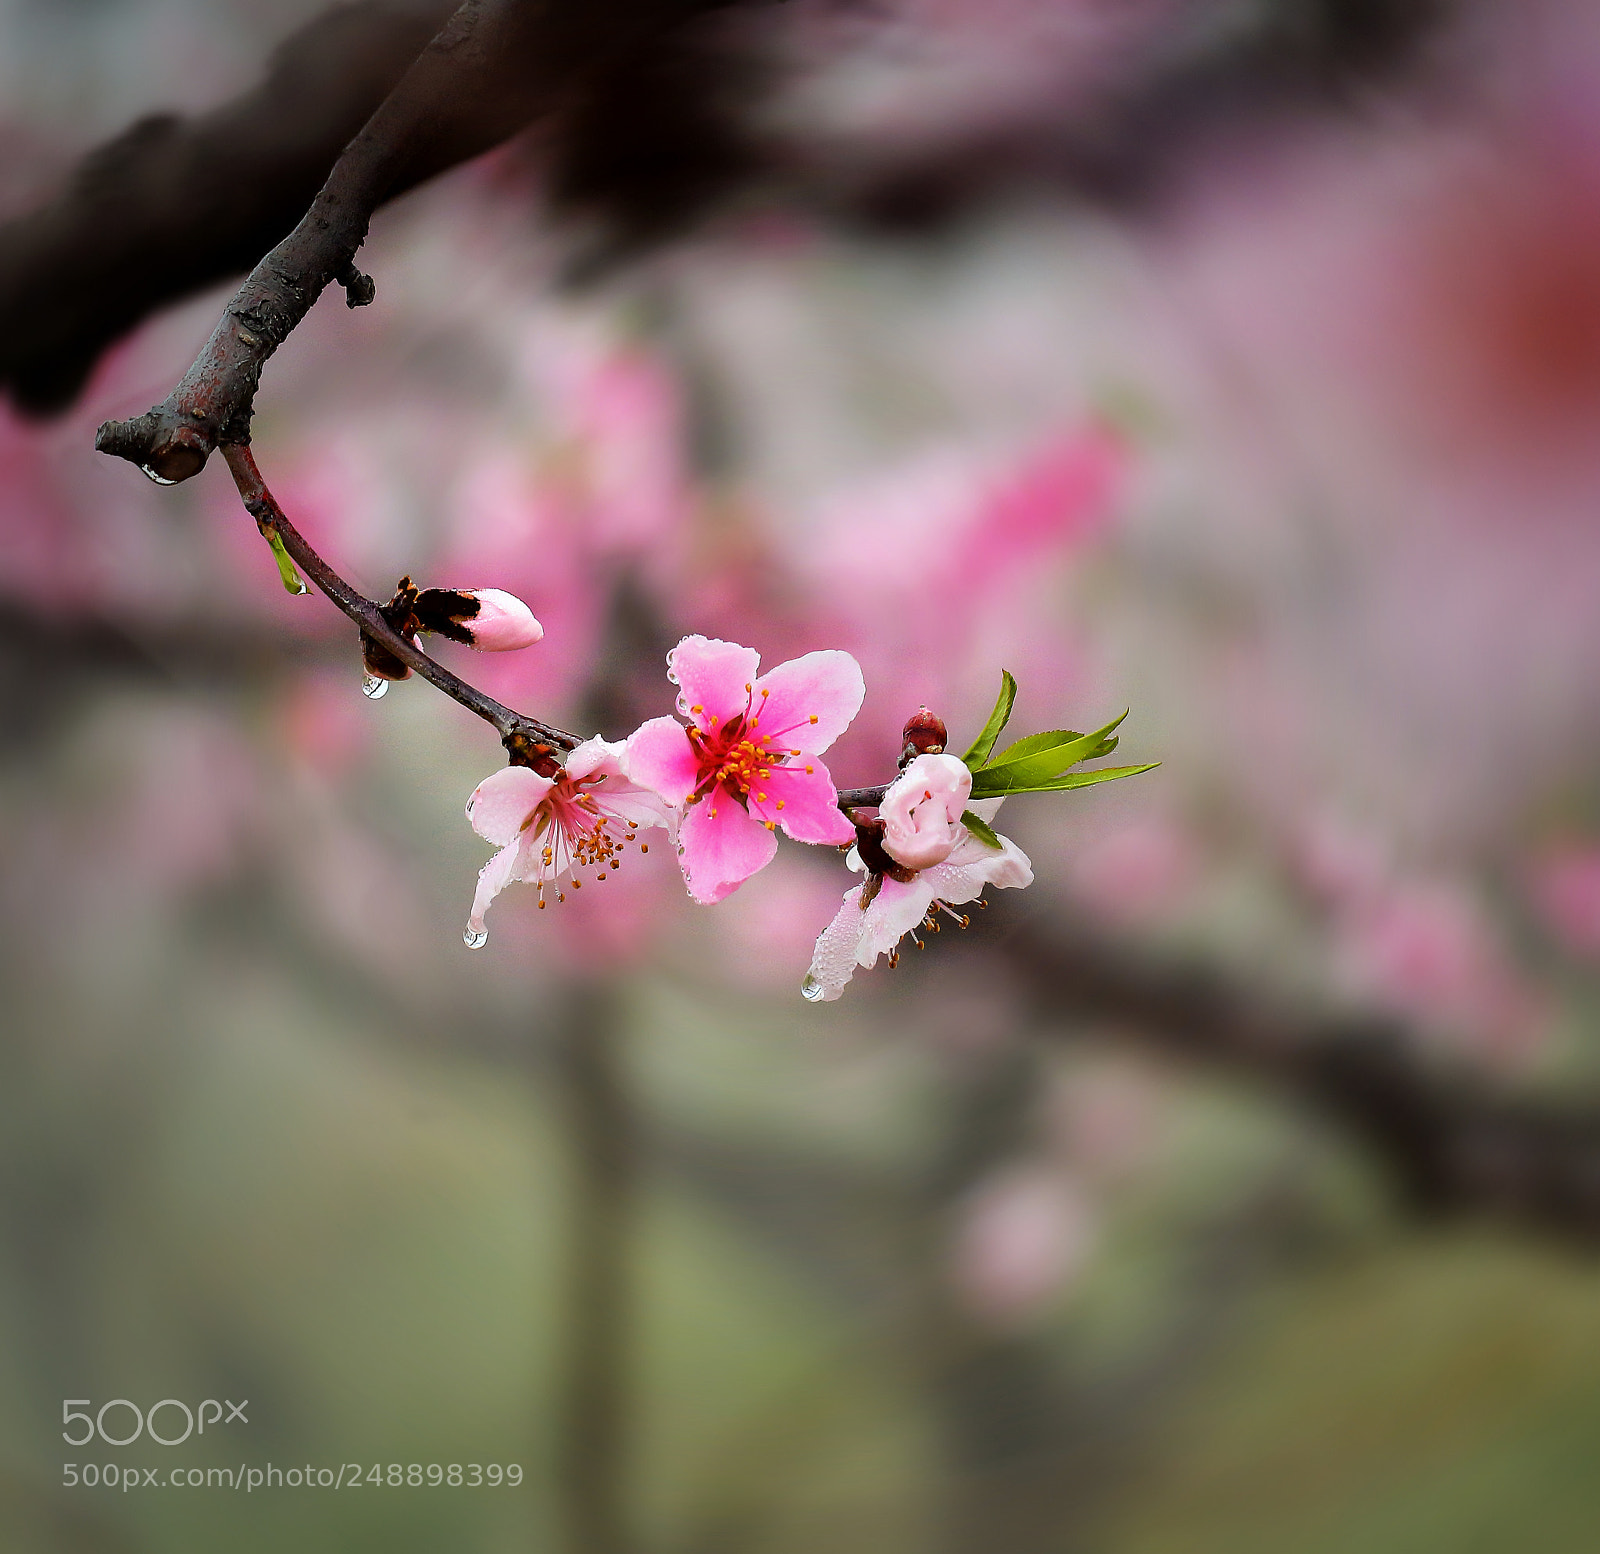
1290 448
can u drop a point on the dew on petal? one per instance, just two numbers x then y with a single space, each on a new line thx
373 687
475 938
812 990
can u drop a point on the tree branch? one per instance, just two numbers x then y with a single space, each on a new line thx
1452 1143
522 736
174 205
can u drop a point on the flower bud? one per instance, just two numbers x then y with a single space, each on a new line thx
922 810
503 621
924 734
489 619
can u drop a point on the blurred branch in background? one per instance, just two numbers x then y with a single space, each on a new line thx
650 123
1449 1142
174 205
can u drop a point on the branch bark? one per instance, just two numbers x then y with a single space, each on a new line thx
525 738
174 205
469 89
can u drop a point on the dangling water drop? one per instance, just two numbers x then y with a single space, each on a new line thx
373 687
150 474
812 990
475 938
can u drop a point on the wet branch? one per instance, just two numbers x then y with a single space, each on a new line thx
468 90
523 737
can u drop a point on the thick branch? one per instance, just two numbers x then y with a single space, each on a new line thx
464 93
521 736
174 205
493 68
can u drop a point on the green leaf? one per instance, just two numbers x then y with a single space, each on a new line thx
984 743
286 572
1040 757
981 829
992 782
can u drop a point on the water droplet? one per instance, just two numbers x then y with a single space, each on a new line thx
373 687
302 587
150 474
475 938
812 990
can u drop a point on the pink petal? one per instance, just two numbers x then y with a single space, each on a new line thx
833 962
721 847
891 915
810 700
494 876
712 675
810 803
973 865
595 756
500 804
660 757
599 765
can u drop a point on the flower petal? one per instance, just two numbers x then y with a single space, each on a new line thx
660 757
892 914
803 800
810 700
595 756
721 847
712 674
833 962
972 866
500 804
493 877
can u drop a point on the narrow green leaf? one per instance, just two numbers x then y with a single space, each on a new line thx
981 829
994 781
984 743
286 571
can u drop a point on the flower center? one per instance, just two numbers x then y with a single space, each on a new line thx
577 834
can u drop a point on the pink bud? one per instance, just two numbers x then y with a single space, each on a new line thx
502 621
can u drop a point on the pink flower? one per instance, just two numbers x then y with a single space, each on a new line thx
922 810
873 921
549 826
748 762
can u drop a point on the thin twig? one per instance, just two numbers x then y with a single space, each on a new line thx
519 734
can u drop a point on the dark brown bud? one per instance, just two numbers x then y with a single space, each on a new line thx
379 662
924 734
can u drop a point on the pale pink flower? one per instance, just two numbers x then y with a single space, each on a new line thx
922 810
546 827
748 761
872 922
